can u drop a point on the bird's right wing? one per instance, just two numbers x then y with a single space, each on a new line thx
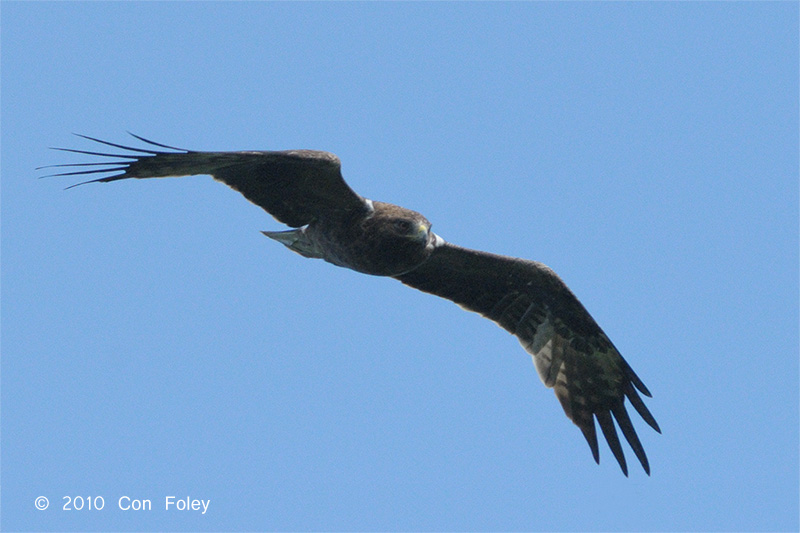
295 186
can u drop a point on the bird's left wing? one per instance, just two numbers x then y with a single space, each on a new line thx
295 186
571 353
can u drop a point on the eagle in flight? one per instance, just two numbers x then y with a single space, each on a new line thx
304 189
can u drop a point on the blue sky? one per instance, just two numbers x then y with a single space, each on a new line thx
155 344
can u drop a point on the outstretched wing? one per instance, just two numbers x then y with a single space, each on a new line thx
294 186
570 351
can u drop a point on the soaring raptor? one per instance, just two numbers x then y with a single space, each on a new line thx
304 189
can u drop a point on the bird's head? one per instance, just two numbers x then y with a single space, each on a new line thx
394 222
415 228
398 237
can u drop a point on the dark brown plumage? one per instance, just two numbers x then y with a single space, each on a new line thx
305 190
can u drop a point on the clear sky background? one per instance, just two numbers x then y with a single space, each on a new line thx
155 344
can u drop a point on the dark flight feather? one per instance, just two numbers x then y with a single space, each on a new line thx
305 190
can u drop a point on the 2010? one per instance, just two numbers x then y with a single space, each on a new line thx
79 503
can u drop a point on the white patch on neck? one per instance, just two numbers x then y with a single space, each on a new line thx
437 241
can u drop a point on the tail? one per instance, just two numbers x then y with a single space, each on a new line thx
297 241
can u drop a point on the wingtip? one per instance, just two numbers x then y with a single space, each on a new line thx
81 183
590 434
153 143
640 407
636 380
606 424
121 146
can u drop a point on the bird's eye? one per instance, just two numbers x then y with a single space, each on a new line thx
403 226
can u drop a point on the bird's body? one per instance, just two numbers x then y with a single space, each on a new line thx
305 190
383 240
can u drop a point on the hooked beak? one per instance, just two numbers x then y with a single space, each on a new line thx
423 233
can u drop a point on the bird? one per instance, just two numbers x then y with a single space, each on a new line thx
305 190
